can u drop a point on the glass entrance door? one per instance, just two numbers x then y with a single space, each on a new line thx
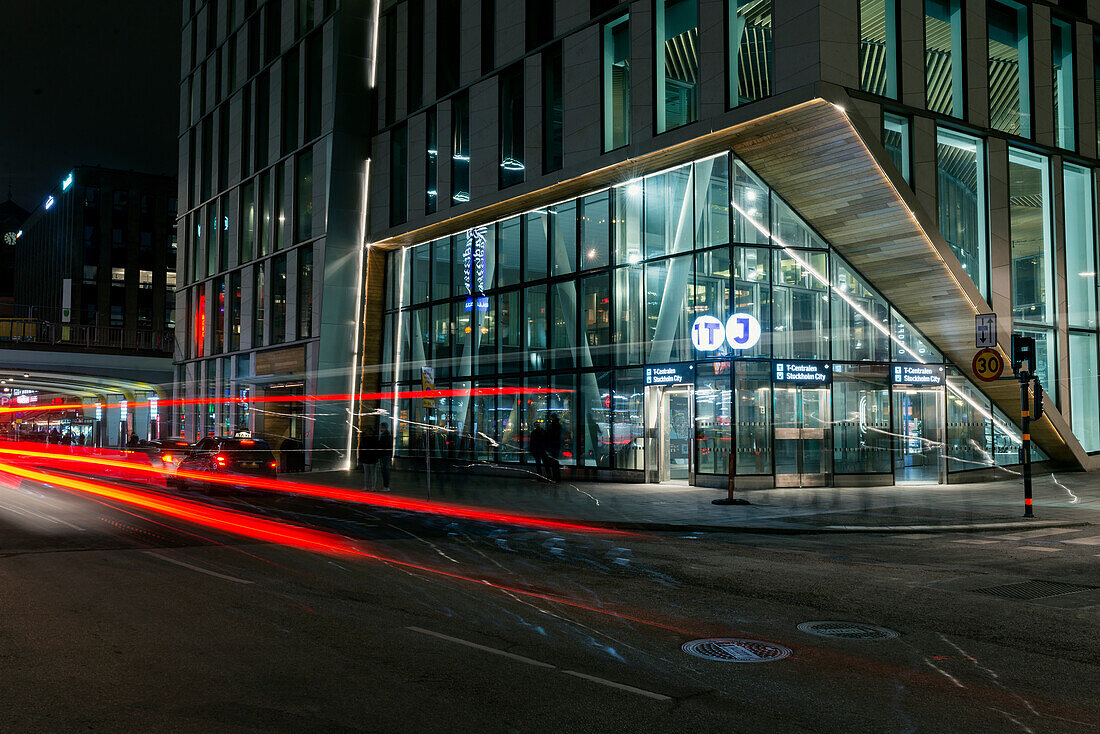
802 436
675 434
918 456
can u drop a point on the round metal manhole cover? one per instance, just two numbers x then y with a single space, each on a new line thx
735 650
848 630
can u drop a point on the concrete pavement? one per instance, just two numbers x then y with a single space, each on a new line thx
1062 500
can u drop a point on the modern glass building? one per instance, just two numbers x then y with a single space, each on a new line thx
595 311
697 234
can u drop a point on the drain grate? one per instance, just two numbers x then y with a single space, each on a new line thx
848 630
1031 590
736 650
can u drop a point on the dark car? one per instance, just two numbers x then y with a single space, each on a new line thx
170 451
223 456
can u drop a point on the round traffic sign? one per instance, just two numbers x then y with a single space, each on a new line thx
988 365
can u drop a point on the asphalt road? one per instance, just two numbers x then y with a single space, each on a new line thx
117 620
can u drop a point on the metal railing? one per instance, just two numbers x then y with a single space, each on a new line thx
80 335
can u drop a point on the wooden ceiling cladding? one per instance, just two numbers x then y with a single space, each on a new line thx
814 157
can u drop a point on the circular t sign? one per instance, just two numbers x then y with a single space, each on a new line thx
988 365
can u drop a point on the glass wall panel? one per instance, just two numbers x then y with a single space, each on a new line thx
431 162
752 395
895 139
1045 355
713 417
800 305
509 245
596 319
305 292
1084 402
788 229
669 228
595 223
595 414
752 293
712 289
1007 443
862 440
861 318
677 52
628 223
553 121
511 170
563 326
510 331
259 290
535 340
510 423
1009 79
750 204
1033 294
460 147
908 344
712 198
668 320
561 419
536 226
563 238
628 420
441 272
943 56
960 167
421 267
442 334
1080 247
750 49
616 83
630 333
969 428
878 58
483 325
1061 46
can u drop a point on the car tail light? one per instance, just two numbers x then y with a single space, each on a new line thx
220 459
273 465
167 458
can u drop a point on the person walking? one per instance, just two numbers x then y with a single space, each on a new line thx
536 444
553 448
384 449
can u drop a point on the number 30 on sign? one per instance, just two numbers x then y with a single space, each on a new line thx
988 365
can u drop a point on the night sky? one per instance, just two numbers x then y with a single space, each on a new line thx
86 82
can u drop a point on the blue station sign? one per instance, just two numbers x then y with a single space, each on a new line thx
802 373
928 375
670 374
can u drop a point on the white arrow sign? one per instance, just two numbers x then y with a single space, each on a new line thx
985 330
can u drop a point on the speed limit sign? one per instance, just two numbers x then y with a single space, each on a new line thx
988 365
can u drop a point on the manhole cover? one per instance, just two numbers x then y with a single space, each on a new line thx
848 630
734 650
1031 590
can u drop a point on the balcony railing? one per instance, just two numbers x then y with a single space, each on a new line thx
34 331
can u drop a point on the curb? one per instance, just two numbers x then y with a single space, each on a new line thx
821 529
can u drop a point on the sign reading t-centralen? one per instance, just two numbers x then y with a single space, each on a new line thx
670 374
918 374
807 373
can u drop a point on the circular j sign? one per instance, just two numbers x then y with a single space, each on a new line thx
988 365
743 331
707 333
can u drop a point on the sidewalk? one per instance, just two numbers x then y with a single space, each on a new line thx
911 509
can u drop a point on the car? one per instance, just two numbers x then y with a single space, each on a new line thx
225 456
170 451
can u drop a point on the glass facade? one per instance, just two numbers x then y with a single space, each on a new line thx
1009 70
584 317
750 49
944 64
677 23
616 83
878 52
960 168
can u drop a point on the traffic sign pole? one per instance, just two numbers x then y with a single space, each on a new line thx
1025 403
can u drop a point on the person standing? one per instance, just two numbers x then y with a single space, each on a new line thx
368 457
384 453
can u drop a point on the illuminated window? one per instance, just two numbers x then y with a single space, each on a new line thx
616 81
943 56
677 63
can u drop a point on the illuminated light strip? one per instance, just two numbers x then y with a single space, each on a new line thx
374 43
360 303
826 282
317 491
410 394
287 534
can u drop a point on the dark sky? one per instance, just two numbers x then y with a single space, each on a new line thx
92 82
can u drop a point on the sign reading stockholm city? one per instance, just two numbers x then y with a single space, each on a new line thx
741 331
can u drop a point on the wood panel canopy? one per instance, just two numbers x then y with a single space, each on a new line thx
814 157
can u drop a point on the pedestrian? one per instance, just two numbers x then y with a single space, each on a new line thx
134 441
384 449
368 457
536 444
553 448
